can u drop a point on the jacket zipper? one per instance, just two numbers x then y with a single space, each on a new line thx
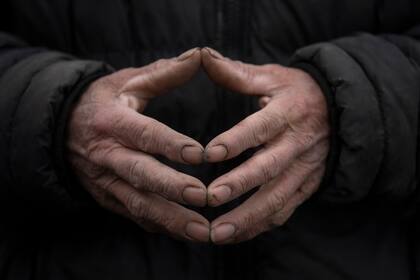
232 19
233 27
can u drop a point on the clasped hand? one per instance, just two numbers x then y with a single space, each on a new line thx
112 146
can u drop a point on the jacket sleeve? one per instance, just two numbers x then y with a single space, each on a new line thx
372 84
37 89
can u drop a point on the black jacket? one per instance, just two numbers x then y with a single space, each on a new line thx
364 53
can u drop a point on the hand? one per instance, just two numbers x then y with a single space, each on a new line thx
291 128
111 147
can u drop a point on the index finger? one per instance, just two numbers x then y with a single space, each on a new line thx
151 136
268 200
148 208
253 131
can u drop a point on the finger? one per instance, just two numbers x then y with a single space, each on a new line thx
148 135
237 76
145 173
268 200
163 75
263 101
98 189
306 190
258 170
309 187
167 216
253 131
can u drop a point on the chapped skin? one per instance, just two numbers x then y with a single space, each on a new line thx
112 145
293 129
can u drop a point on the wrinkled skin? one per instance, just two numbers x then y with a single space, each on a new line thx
112 146
292 130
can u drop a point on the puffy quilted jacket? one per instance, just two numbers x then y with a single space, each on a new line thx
365 54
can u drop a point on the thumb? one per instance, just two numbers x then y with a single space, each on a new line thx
163 75
237 76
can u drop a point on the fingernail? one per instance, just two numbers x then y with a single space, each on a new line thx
222 233
216 153
192 154
195 196
220 194
197 231
187 54
214 53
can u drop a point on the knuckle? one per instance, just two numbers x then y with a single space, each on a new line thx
311 185
158 220
136 206
142 135
266 173
306 161
238 140
300 169
153 67
135 174
247 221
108 184
101 152
247 72
102 122
92 171
301 140
269 167
308 189
276 202
158 64
278 219
169 224
150 139
269 124
311 159
242 182
172 149
264 129
167 186
307 139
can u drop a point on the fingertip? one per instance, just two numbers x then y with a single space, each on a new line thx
218 195
192 154
210 59
223 233
189 54
211 53
195 196
216 153
198 231
190 61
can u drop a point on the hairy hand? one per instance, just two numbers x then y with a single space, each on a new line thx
111 147
292 130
